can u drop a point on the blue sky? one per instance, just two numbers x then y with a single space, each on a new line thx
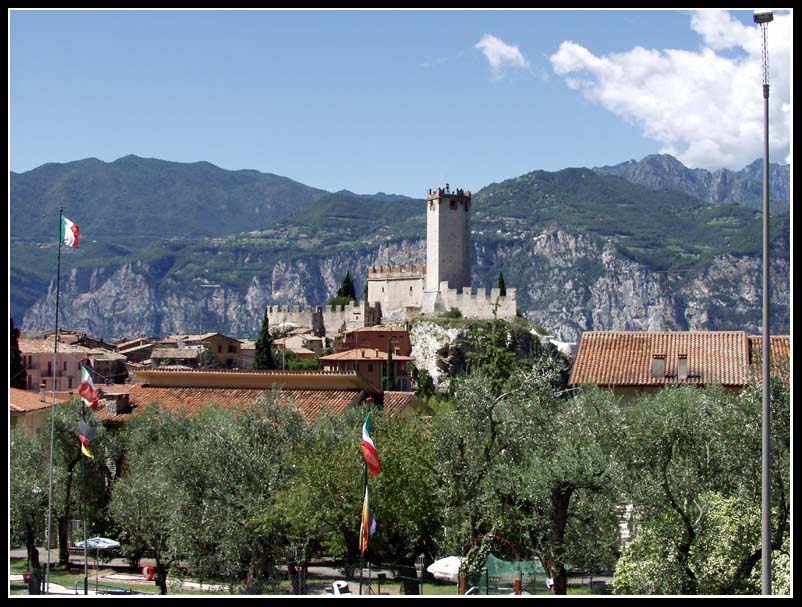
395 101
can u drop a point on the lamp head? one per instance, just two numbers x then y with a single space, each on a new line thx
763 16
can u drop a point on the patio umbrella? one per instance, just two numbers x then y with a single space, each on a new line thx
446 568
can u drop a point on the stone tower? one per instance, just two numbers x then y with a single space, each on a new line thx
448 239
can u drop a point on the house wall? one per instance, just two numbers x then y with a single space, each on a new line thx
39 369
380 340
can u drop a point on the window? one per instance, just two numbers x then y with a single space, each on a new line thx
219 348
370 368
232 349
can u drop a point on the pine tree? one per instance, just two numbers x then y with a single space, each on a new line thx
263 356
16 368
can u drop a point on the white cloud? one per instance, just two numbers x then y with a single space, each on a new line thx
501 55
705 107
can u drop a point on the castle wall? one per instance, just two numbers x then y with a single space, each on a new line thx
396 288
479 304
326 320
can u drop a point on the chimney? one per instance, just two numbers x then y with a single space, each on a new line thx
658 366
682 366
42 392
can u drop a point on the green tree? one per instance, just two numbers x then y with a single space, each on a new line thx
263 354
409 521
528 462
27 490
693 461
16 369
228 471
144 500
208 360
347 287
69 488
389 371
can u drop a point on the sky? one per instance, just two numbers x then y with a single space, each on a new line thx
396 101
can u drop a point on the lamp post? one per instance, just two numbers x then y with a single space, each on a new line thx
763 19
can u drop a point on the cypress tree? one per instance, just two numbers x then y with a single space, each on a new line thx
16 368
263 356
502 289
347 288
389 376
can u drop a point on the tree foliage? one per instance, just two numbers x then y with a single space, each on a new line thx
263 354
693 476
16 369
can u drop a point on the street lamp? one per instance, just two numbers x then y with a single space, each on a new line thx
763 18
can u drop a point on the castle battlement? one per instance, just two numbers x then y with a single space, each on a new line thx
478 303
291 309
440 192
407 271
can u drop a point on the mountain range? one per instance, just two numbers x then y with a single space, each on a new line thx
629 240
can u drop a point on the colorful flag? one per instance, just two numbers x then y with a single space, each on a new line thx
86 435
369 449
87 389
69 233
368 526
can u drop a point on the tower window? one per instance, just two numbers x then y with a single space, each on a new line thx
453 205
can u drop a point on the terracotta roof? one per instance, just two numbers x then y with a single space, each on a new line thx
254 379
25 401
610 358
780 356
396 402
182 353
192 400
47 346
363 354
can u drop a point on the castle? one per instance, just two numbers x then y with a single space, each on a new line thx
396 294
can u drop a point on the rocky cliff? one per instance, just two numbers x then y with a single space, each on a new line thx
566 283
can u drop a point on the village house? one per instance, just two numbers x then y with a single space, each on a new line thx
379 337
225 349
371 363
38 359
634 363
31 411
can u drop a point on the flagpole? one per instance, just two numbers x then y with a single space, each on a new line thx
52 408
83 474
366 531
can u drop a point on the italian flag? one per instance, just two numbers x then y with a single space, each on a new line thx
69 233
87 389
369 449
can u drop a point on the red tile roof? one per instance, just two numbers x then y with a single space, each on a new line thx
192 400
25 401
363 354
780 356
610 358
396 402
